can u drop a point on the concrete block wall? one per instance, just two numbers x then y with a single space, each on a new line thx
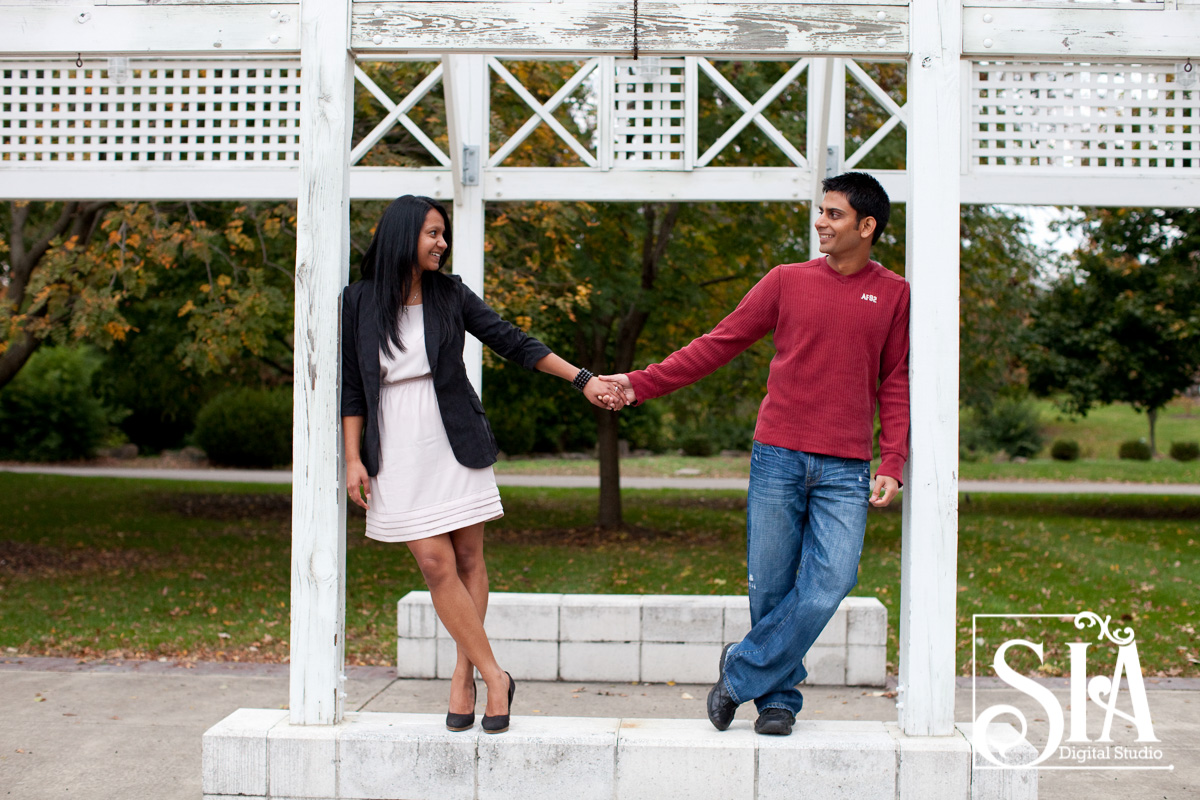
652 638
258 755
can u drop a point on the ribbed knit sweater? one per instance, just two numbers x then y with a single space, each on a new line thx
841 349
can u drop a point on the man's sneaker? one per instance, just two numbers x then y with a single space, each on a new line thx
775 722
721 706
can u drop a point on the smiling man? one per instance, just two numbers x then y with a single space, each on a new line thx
840 327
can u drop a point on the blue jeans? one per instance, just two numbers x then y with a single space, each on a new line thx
805 518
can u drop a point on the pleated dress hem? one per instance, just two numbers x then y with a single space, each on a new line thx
437 519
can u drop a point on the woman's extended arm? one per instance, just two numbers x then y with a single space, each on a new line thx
514 344
358 483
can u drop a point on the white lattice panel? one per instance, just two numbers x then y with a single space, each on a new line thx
649 113
177 112
1082 117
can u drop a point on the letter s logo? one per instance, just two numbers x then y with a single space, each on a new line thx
1041 694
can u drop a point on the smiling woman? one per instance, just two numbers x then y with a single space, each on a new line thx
419 450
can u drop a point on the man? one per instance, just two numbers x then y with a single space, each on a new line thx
840 327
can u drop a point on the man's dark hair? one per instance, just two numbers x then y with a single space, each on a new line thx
866 197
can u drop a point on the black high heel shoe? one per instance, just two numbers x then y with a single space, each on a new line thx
462 722
499 723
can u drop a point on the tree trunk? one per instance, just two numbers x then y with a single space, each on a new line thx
608 446
15 355
629 328
81 222
1152 415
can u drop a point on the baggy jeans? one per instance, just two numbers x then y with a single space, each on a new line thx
806 515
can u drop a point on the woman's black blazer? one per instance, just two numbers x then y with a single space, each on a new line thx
450 309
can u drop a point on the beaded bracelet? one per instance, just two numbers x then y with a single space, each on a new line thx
582 378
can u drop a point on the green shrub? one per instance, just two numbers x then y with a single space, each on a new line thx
1064 450
247 428
1009 424
1185 451
1135 450
50 410
696 444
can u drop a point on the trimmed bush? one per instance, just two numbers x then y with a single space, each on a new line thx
1134 450
1064 450
1011 425
50 411
247 428
1185 451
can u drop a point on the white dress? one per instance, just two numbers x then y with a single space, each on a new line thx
421 489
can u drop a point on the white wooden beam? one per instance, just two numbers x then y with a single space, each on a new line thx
712 184
664 28
95 29
929 545
1176 190
1130 32
715 184
229 183
322 270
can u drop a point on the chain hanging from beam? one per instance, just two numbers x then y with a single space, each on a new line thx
635 30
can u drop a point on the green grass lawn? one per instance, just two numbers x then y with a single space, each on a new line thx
144 569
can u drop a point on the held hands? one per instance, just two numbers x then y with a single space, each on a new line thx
604 394
884 491
358 483
621 383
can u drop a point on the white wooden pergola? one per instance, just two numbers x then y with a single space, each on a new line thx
1008 101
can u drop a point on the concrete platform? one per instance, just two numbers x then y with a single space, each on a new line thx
620 637
116 730
388 756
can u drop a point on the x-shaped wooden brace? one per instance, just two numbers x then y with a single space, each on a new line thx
752 113
543 113
398 113
899 114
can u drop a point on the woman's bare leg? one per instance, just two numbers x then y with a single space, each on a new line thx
472 571
456 608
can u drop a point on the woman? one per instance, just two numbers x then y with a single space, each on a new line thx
419 451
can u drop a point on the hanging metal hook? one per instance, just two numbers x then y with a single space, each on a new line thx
1187 66
79 60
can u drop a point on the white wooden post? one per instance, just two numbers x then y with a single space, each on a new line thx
836 122
322 269
929 546
820 91
467 111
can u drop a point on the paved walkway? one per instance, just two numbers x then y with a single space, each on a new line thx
588 481
132 730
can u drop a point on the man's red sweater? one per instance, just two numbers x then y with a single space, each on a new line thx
841 347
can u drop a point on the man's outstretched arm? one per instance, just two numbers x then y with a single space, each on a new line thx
754 317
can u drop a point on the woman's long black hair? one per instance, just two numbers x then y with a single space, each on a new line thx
390 259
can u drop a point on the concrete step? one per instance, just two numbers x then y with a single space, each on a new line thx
258 754
649 638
